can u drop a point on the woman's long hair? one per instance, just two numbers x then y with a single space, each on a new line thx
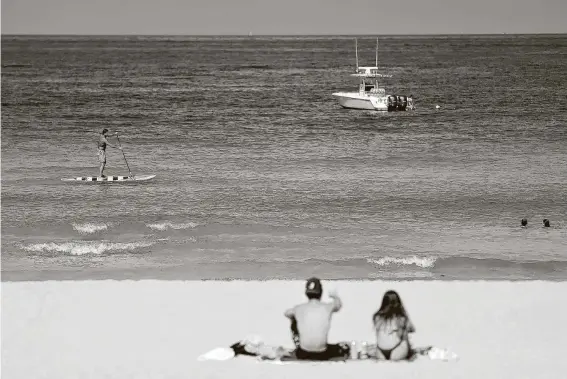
391 308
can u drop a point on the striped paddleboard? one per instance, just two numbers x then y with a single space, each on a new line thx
135 178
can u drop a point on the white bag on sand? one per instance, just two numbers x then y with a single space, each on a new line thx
218 354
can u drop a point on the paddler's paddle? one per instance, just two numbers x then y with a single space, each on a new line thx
119 144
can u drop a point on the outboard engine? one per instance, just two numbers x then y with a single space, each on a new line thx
403 102
392 103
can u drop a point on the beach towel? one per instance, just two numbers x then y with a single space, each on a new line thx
254 346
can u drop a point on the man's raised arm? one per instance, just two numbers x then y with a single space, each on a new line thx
337 303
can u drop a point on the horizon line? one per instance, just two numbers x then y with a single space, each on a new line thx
271 35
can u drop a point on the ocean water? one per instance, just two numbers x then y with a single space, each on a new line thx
261 174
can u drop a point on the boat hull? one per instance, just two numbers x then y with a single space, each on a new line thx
372 103
388 103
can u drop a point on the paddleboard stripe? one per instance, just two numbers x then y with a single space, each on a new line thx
111 178
101 179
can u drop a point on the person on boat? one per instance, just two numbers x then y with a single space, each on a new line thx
392 327
102 142
310 324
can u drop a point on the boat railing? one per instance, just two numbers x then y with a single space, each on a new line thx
378 91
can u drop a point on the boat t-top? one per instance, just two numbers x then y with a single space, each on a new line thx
370 95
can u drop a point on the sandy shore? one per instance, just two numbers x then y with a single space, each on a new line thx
157 329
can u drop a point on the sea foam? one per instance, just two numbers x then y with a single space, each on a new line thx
82 248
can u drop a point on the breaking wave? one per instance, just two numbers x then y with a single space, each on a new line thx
161 226
423 262
82 248
90 228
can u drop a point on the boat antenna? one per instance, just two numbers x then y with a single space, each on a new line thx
376 52
356 49
377 74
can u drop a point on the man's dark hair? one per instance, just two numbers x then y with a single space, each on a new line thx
313 289
311 296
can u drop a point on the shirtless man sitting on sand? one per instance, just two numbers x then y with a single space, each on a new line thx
310 324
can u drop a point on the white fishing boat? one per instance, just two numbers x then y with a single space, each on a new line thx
370 95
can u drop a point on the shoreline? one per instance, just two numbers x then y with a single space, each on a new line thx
271 280
78 276
134 276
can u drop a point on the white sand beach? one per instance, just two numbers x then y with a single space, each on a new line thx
157 329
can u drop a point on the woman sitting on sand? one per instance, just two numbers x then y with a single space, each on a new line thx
392 326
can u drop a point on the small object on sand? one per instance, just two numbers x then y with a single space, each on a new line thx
546 223
437 107
436 353
353 350
364 350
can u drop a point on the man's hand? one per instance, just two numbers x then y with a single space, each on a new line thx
337 303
